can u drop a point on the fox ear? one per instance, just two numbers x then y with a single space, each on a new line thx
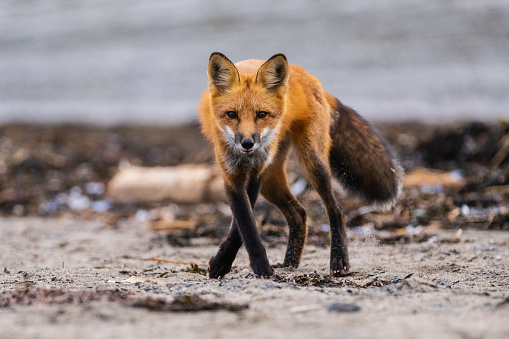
274 74
222 73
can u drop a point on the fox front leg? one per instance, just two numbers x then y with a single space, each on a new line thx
221 263
243 214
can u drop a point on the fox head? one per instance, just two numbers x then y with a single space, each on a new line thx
247 100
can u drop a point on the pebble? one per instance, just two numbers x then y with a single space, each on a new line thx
343 308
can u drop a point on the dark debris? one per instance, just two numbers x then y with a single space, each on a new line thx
318 280
26 294
55 170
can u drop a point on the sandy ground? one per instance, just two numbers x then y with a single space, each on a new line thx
456 290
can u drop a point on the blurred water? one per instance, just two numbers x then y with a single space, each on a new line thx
112 61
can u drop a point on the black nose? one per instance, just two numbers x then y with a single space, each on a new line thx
247 143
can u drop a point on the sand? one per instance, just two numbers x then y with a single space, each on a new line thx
430 289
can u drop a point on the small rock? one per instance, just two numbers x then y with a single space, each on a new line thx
343 308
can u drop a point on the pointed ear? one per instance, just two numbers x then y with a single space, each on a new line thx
274 74
222 73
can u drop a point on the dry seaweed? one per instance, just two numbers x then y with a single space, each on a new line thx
318 280
52 170
26 294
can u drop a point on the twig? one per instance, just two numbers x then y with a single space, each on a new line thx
502 152
173 261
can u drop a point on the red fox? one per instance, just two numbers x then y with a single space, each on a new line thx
253 111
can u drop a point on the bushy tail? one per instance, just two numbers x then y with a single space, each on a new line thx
361 159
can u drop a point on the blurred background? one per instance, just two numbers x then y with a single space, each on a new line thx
115 62
91 91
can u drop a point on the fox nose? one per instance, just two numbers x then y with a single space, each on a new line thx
247 143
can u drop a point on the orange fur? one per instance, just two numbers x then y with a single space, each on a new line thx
305 111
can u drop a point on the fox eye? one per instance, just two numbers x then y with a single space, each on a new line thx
232 114
262 115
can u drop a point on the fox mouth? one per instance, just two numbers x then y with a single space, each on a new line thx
247 151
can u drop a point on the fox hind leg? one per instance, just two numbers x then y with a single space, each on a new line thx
318 172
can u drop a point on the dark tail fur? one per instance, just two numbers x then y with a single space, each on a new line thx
361 159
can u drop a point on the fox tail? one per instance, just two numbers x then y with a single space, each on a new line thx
361 159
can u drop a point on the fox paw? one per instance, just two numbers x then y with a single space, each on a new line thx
262 268
339 267
291 262
218 268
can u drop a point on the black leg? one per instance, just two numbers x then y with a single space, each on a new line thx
320 177
275 189
221 263
243 214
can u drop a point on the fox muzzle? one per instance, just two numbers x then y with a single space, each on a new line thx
247 144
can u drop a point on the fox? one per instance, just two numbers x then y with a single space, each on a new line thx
254 112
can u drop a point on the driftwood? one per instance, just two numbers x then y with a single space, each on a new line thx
180 184
424 176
